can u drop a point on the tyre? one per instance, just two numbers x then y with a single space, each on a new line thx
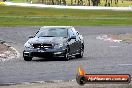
27 58
80 55
81 80
66 56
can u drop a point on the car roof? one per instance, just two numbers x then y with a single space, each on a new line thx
48 27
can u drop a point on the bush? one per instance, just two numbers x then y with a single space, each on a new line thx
2 3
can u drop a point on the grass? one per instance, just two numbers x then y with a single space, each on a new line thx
21 16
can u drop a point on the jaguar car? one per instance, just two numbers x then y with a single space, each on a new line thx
54 41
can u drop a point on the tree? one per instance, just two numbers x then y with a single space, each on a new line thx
95 2
89 2
64 2
42 1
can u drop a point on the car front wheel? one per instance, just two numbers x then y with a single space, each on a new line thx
66 56
80 55
27 58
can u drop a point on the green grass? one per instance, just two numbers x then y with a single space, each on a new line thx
21 16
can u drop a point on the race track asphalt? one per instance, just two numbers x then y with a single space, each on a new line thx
99 57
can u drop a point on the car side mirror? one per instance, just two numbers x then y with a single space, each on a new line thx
72 37
30 36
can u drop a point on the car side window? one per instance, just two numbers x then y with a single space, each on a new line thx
77 33
71 33
74 31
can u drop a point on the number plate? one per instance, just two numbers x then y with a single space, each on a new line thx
41 51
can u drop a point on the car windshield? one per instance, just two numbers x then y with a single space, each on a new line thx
53 32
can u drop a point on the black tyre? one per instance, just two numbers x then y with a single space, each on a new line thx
27 58
80 55
81 80
66 56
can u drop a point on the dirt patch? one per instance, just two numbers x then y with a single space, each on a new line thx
108 38
124 37
6 52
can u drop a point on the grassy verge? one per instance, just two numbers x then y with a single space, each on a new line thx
21 16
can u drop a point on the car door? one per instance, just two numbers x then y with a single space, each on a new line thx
71 42
77 41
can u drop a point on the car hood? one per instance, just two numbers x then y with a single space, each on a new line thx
53 40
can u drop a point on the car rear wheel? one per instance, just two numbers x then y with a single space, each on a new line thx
27 58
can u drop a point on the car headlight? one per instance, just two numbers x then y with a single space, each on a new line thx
58 45
27 45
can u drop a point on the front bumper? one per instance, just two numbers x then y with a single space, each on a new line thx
44 53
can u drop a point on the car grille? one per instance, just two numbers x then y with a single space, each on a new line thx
45 54
42 46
